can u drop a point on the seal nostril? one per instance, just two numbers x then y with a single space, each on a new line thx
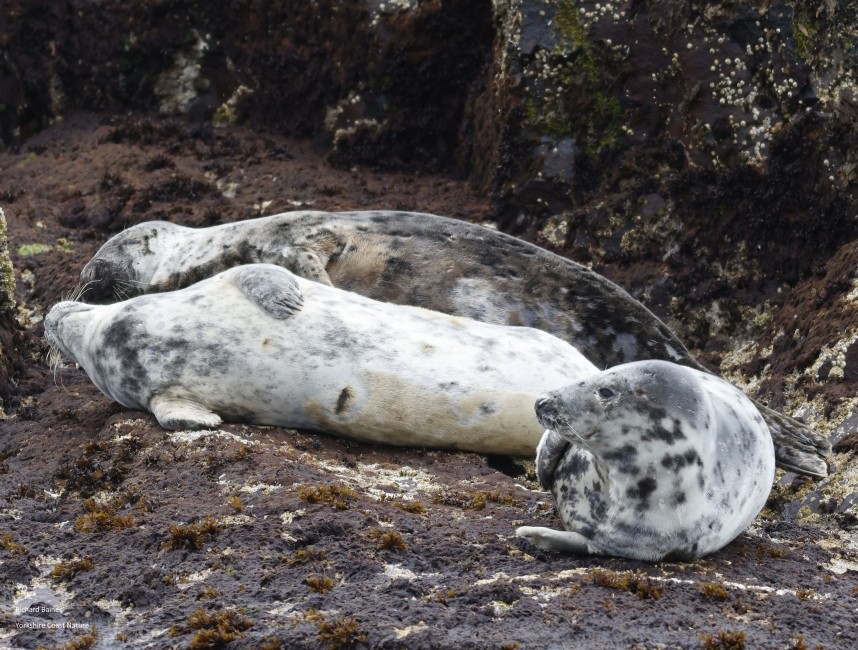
544 407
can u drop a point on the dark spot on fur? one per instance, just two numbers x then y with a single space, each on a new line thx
657 431
343 400
123 337
624 459
643 489
396 268
677 462
578 465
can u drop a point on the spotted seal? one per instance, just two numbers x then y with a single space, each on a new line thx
427 261
651 460
257 344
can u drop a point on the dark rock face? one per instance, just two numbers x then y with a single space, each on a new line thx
388 85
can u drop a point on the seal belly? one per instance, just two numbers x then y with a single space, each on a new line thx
388 408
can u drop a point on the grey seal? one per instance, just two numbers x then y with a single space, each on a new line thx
257 344
651 460
427 261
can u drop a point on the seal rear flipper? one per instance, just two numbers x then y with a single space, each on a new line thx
176 413
565 541
272 288
792 459
797 448
305 262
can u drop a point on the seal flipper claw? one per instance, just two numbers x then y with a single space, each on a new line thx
271 287
791 459
565 541
175 413
306 263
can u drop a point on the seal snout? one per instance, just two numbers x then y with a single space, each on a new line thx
97 280
546 411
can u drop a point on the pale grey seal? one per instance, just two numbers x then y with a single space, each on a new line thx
427 261
257 344
651 460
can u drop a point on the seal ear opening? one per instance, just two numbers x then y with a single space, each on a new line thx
272 288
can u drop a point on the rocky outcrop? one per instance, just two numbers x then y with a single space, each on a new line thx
703 155
382 83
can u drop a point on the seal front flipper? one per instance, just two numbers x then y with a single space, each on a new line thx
177 413
305 262
274 289
557 540
551 449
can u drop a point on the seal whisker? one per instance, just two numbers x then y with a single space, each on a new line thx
54 360
78 291
130 283
568 427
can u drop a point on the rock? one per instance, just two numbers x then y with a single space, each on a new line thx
11 362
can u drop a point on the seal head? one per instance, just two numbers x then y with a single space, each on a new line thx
651 460
126 263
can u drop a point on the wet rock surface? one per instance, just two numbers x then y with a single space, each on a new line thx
595 130
144 537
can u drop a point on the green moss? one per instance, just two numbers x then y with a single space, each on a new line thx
26 250
65 245
571 94
30 158
568 23
804 30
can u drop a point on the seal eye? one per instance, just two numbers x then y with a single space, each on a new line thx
606 393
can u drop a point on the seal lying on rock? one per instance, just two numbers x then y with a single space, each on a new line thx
258 344
651 460
427 261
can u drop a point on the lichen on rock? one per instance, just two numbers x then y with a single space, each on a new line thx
7 273
11 362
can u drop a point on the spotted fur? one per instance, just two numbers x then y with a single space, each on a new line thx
651 461
426 261
259 344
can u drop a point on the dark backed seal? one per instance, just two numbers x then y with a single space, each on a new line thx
427 261
651 460
257 344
